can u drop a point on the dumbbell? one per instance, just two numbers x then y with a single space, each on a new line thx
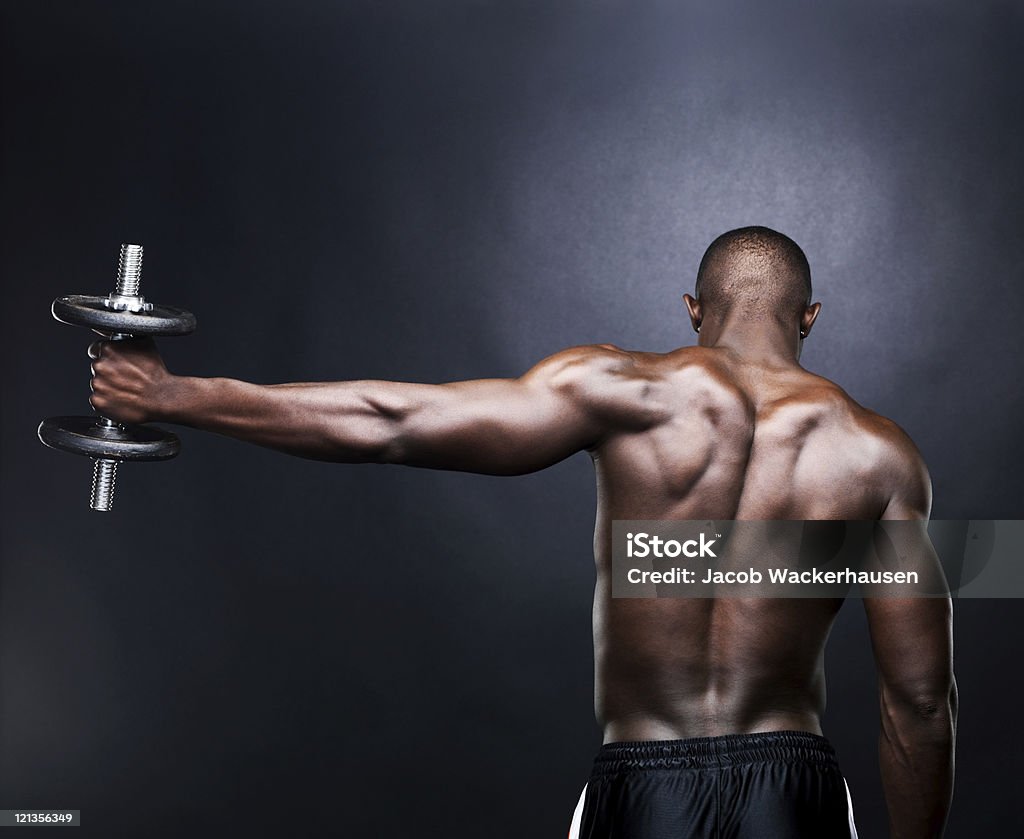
123 314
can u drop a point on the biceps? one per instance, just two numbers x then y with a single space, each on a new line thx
491 426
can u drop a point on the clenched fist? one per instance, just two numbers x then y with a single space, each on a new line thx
130 382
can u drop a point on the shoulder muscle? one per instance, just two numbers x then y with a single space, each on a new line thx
613 385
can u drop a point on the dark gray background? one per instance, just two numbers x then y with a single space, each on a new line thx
435 191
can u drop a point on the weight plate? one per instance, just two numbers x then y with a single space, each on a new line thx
84 435
89 310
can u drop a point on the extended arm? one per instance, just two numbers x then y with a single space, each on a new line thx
912 640
567 403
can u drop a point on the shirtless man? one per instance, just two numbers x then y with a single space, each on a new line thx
711 708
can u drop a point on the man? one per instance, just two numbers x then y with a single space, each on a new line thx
711 708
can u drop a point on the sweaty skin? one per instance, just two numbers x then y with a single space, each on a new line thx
733 428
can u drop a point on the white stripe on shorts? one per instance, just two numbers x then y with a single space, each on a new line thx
849 810
577 816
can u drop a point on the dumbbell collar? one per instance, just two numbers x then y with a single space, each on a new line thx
127 303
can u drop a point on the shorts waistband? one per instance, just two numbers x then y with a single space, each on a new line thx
715 752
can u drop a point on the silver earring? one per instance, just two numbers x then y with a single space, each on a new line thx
698 329
803 334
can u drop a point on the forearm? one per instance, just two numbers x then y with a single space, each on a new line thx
345 422
916 757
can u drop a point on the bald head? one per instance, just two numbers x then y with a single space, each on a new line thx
754 273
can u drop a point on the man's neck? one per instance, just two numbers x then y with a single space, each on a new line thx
758 341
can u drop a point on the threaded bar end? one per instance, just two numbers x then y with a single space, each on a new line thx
104 475
129 271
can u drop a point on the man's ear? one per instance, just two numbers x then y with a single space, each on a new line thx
693 307
809 317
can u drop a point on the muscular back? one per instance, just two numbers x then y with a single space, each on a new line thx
727 439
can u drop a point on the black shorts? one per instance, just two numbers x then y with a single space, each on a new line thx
772 785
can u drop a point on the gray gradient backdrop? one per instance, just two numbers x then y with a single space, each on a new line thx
432 191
